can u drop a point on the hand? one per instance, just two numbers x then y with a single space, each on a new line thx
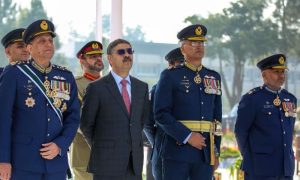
5 171
49 150
197 140
216 165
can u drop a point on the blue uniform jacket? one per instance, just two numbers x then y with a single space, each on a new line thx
264 132
178 97
1 69
27 120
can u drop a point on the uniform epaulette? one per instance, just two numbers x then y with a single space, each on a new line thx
61 68
176 67
211 70
286 91
254 90
16 62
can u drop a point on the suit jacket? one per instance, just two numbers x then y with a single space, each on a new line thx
112 133
264 132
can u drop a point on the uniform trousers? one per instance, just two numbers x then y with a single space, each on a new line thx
178 170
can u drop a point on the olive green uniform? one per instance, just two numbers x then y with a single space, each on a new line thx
80 151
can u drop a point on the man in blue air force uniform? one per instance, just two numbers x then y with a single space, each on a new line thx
153 132
265 123
40 116
188 108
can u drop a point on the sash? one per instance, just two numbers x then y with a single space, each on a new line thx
25 69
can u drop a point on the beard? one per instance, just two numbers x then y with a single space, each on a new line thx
96 67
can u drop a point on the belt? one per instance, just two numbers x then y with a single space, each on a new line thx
213 128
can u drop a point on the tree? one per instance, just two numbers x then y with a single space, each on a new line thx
238 36
135 34
7 23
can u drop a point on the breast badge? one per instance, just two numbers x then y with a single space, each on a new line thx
186 83
30 102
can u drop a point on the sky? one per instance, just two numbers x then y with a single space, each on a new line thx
160 20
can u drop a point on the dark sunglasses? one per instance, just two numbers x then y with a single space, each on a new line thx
121 52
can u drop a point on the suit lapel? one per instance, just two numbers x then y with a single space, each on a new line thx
114 90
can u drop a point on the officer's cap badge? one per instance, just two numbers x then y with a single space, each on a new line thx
198 31
44 25
281 60
95 46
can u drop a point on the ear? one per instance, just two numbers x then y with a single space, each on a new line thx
7 51
29 48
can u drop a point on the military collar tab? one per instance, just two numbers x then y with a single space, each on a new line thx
272 91
192 67
41 69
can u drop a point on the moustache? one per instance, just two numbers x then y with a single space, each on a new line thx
127 59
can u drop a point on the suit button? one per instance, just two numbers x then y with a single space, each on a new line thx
48 134
202 102
202 117
280 109
283 132
281 120
284 145
130 124
200 89
47 104
49 119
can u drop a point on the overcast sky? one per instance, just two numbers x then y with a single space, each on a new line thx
160 19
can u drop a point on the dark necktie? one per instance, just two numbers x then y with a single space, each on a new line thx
125 95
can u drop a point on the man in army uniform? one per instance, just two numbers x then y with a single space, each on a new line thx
90 57
188 108
41 112
265 123
15 48
153 132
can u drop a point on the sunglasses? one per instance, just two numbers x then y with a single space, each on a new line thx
122 52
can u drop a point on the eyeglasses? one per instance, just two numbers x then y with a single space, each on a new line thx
121 52
195 43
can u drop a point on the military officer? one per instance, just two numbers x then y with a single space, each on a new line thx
188 108
265 123
15 48
153 131
90 57
41 112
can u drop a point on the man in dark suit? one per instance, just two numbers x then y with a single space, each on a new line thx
265 124
113 114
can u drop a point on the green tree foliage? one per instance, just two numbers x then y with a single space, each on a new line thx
238 36
286 15
7 23
135 34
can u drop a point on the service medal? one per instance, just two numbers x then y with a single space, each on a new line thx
29 102
197 79
57 102
277 101
64 107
